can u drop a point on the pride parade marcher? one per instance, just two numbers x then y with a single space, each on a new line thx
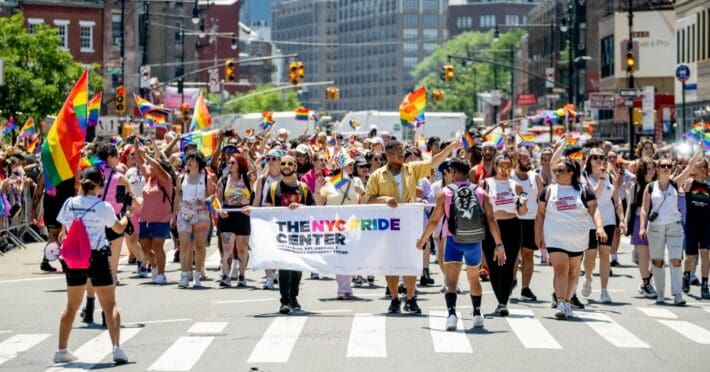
697 228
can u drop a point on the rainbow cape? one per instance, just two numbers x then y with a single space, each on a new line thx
201 118
28 129
144 106
411 110
338 180
11 124
206 141
95 109
354 124
302 113
467 140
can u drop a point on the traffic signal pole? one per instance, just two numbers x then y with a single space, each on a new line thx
630 82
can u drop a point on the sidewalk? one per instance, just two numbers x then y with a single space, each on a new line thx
23 263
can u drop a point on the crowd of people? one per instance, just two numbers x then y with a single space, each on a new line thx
571 202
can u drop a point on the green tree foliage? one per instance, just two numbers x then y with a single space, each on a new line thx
471 76
38 74
260 99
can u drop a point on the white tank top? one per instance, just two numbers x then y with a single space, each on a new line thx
191 193
604 202
501 195
566 219
667 211
530 187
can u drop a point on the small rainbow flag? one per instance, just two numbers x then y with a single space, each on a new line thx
699 132
411 110
91 161
144 106
155 120
354 124
527 139
11 124
267 120
496 137
576 155
213 205
206 141
302 113
421 142
201 118
117 141
95 109
32 146
28 129
249 132
467 140
338 180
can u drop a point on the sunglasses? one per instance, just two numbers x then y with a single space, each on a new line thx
287 164
232 162
271 158
597 157
559 171
378 159
317 160
665 166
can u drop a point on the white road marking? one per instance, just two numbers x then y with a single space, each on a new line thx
158 321
182 354
206 328
691 331
326 311
447 341
18 344
276 344
94 351
367 337
52 277
655 312
530 330
247 300
610 330
214 260
707 309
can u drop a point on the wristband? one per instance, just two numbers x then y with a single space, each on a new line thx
500 246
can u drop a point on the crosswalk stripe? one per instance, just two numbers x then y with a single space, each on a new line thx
214 260
182 354
655 312
707 309
447 341
19 343
206 328
94 351
277 342
367 337
530 330
691 331
610 330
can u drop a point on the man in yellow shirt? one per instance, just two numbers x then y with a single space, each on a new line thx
396 183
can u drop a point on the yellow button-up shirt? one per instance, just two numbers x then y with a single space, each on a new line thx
382 183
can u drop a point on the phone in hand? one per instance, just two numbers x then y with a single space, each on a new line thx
523 198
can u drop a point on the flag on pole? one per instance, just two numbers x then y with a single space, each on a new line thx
32 145
354 124
145 106
28 129
467 140
496 136
302 113
95 109
411 110
11 124
155 120
527 139
201 118
206 141
267 120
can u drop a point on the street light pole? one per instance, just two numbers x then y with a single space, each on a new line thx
630 82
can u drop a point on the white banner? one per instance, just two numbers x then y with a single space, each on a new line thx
348 239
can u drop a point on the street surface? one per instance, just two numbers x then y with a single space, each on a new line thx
210 329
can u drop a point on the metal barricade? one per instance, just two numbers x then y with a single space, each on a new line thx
15 228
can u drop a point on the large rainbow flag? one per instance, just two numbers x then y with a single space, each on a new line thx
95 109
144 106
411 110
61 151
201 118
206 141
496 136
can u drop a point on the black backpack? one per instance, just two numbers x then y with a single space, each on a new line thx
466 220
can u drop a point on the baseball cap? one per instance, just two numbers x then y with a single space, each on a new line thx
302 149
343 160
282 131
378 140
275 152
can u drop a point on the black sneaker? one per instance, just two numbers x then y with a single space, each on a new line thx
705 292
45 266
284 309
176 257
401 289
395 306
502 310
295 306
694 281
554 301
686 284
387 292
412 307
527 295
576 303
614 263
87 315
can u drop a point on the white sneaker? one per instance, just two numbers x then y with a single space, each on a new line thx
561 310
65 356
604 297
678 299
451 322
159 279
184 282
587 287
196 281
477 321
119 357
269 283
660 298
235 270
568 310
458 289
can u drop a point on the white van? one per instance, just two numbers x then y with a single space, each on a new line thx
444 125
284 119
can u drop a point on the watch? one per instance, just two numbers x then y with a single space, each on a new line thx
499 246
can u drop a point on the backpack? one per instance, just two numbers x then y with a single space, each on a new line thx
275 193
76 248
466 220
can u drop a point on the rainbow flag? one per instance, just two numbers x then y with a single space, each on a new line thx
117 141
700 132
421 142
576 155
338 180
28 129
32 145
144 106
91 161
467 140
527 139
11 124
201 118
249 132
354 124
302 113
206 141
267 120
61 151
213 205
95 109
80 101
496 137
411 110
155 120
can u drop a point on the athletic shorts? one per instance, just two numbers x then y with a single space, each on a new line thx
528 229
236 223
99 271
697 235
560 250
594 243
457 252
158 230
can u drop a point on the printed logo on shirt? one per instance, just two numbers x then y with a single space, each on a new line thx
566 203
504 198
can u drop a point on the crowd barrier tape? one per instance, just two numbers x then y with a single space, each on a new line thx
15 228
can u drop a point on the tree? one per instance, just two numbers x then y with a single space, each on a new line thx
38 74
260 99
472 77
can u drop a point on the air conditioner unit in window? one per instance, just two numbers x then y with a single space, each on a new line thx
117 41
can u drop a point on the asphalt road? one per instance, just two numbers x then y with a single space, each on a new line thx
167 329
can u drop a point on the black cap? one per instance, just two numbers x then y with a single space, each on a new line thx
92 174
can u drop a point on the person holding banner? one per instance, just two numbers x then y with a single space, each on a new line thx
457 252
397 183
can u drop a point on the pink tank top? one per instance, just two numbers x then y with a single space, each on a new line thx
449 195
110 188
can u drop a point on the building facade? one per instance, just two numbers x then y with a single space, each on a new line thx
219 43
479 15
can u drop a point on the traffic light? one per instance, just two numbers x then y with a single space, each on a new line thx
301 71
332 94
438 95
120 99
229 70
447 73
630 62
293 73
185 109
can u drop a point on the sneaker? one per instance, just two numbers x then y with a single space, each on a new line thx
568 310
284 309
394 306
604 297
241 283
269 283
132 260
387 292
576 303
87 316
371 280
159 279
647 290
359 281
412 306
225 281
554 301
660 299
45 266
315 276
64 356
478 321
451 322
678 300
694 279
176 256
483 274
184 282
501 310
401 289
197 281
705 292
686 284
527 295
295 306
587 287
561 310
119 357
615 263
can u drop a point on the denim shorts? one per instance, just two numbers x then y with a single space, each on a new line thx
160 230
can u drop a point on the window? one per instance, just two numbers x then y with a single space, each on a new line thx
487 21
431 5
116 29
410 61
430 33
410 47
411 19
429 47
32 22
607 49
86 36
411 5
511 19
62 28
431 20
464 22
410 33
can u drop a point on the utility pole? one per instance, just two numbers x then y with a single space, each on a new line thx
495 88
146 27
123 41
630 82
552 64
181 82
512 85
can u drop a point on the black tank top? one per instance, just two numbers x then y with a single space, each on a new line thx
697 202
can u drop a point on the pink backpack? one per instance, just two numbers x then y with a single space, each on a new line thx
76 247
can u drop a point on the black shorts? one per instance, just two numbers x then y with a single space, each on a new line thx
560 250
528 228
236 223
99 271
112 235
51 205
608 229
697 235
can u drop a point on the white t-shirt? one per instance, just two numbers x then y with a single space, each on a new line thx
99 216
137 181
